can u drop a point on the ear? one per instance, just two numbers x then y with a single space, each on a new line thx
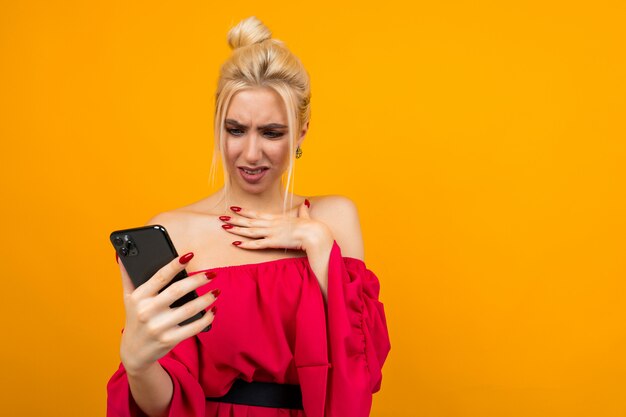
303 134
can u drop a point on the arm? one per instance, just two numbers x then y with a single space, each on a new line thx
166 387
338 220
179 369
358 339
152 390
317 245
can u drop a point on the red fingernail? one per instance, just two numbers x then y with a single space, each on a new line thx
227 226
225 218
210 275
216 292
306 202
236 243
235 208
186 258
117 258
214 309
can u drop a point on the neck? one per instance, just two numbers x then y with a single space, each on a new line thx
268 201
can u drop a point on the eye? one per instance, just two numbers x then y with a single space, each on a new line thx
234 132
273 134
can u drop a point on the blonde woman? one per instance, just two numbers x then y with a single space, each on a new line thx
300 330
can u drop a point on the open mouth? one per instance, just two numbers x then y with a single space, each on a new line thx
253 172
253 176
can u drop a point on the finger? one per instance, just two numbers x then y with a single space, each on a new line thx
162 277
303 210
180 333
248 222
265 243
253 214
127 284
251 232
180 289
189 309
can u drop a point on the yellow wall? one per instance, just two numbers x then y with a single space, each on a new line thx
482 141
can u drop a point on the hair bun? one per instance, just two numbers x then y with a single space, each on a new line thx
247 32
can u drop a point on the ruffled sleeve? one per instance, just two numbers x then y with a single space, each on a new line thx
358 338
181 363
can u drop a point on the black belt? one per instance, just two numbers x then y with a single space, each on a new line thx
263 394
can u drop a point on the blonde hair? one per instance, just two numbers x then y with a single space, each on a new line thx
260 61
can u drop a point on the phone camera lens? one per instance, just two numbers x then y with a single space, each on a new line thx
124 251
118 241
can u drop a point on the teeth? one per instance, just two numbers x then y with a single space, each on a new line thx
252 172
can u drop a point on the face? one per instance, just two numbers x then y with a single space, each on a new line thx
257 136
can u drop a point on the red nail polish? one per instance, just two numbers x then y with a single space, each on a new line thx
214 309
225 218
227 226
306 202
216 292
185 258
210 275
235 208
237 243
117 258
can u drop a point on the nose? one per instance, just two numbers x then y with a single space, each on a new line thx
252 150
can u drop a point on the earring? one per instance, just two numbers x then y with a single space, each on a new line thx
298 152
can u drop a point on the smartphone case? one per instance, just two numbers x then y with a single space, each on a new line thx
143 251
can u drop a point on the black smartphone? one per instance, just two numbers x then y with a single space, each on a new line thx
145 250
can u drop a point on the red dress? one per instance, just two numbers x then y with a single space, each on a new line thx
272 326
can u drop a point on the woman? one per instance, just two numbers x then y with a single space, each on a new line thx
298 335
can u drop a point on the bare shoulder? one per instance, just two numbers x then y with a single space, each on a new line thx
341 215
172 220
182 226
185 218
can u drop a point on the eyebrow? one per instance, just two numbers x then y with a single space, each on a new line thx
268 126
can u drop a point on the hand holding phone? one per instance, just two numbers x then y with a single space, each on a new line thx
152 328
143 251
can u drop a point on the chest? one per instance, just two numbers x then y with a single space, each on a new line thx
212 247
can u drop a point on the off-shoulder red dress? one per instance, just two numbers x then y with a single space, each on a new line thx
272 326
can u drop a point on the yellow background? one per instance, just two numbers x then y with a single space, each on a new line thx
483 143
